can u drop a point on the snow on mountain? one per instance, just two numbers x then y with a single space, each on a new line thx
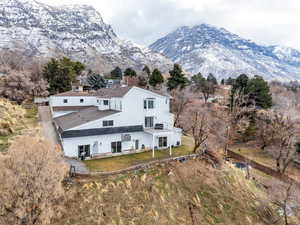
77 31
208 49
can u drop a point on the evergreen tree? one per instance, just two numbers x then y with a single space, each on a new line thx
60 73
129 73
147 70
200 84
116 73
258 91
241 82
177 78
222 82
96 81
211 78
156 78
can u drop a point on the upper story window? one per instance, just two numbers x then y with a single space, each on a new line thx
105 102
149 121
81 100
65 100
108 123
149 103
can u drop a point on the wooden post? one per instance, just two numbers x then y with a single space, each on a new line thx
171 145
153 146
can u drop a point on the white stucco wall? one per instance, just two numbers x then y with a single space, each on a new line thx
70 145
72 101
132 113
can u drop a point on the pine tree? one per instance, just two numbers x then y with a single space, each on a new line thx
177 78
211 78
156 78
61 73
258 91
96 81
200 84
116 73
147 70
129 72
241 82
222 82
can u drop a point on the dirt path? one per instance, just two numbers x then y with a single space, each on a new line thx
47 125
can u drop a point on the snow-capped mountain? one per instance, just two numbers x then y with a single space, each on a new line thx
208 49
77 31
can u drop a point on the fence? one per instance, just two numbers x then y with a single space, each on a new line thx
260 167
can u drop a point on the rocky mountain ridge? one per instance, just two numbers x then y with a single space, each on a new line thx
76 31
208 49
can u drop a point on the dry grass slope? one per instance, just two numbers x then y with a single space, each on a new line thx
13 121
190 193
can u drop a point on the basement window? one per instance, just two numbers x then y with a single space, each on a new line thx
81 100
65 100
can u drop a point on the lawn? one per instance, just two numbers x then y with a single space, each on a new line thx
125 161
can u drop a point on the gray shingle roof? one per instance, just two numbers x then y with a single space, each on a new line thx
108 92
101 131
113 92
81 117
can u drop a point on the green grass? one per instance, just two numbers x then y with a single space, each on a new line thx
125 161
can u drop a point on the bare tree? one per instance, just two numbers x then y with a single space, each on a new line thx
181 100
31 175
12 59
195 123
17 86
284 196
266 129
283 141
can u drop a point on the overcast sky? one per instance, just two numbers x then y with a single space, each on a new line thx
144 21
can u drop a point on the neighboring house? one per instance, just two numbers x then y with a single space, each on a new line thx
113 121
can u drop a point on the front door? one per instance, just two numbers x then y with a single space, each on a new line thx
136 144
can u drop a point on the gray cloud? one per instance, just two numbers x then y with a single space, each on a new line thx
144 21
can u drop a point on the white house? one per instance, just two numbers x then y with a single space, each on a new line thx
113 121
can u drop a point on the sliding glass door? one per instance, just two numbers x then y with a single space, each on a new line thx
116 147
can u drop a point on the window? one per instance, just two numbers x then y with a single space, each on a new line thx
116 147
162 142
65 100
149 103
149 121
105 102
108 123
81 100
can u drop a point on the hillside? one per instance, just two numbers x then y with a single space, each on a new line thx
77 31
182 193
208 49
14 120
